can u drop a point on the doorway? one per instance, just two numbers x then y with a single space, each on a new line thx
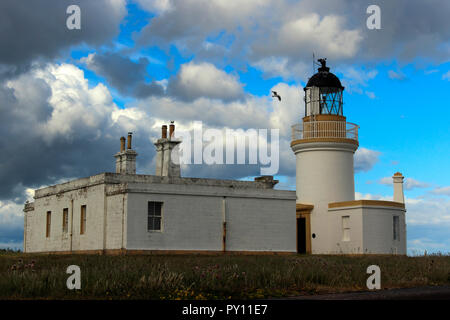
301 235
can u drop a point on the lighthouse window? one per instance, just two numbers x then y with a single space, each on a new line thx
396 228
154 216
346 228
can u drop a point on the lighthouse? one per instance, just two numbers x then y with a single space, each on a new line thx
329 219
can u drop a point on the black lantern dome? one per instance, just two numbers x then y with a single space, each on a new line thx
323 92
324 78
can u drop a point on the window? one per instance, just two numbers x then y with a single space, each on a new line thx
83 220
154 216
396 228
48 224
65 221
346 228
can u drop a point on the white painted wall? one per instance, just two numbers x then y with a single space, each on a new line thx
371 230
92 197
378 230
355 243
324 174
257 219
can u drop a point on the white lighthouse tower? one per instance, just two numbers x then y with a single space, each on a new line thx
329 220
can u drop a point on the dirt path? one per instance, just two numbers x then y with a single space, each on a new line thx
420 293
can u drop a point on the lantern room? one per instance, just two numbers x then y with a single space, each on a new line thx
324 93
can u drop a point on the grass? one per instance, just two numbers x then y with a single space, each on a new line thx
26 276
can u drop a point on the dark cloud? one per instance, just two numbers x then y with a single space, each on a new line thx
337 29
37 29
409 28
144 90
124 74
43 143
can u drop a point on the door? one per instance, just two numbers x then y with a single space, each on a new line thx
301 235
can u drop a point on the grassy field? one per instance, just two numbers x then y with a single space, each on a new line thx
24 276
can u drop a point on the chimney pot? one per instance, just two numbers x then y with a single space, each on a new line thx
122 144
164 132
130 134
171 129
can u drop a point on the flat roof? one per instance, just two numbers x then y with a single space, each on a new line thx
119 178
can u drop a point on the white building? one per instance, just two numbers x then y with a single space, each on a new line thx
125 212
129 212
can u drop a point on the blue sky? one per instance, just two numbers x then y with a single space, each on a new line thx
137 64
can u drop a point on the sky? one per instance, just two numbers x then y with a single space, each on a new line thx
67 96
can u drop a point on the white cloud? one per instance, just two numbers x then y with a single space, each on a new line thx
370 94
409 183
446 76
365 159
74 105
196 80
11 213
428 211
157 6
441 191
280 67
396 75
289 110
421 245
354 80
327 35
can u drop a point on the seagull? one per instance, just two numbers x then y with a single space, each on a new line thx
276 95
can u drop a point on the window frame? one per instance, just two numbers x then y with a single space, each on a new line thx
160 216
83 219
345 228
396 228
48 224
65 221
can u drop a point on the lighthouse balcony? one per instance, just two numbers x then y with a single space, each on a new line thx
337 131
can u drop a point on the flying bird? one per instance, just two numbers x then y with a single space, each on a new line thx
276 95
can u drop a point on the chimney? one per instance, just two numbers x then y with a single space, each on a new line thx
167 159
398 187
126 159
129 140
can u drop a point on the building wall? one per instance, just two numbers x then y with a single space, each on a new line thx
371 230
116 217
257 220
261 225
91 196
378 230
354 244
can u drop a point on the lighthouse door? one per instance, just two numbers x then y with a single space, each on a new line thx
301 235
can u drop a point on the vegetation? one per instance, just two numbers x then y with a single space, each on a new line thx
26 276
